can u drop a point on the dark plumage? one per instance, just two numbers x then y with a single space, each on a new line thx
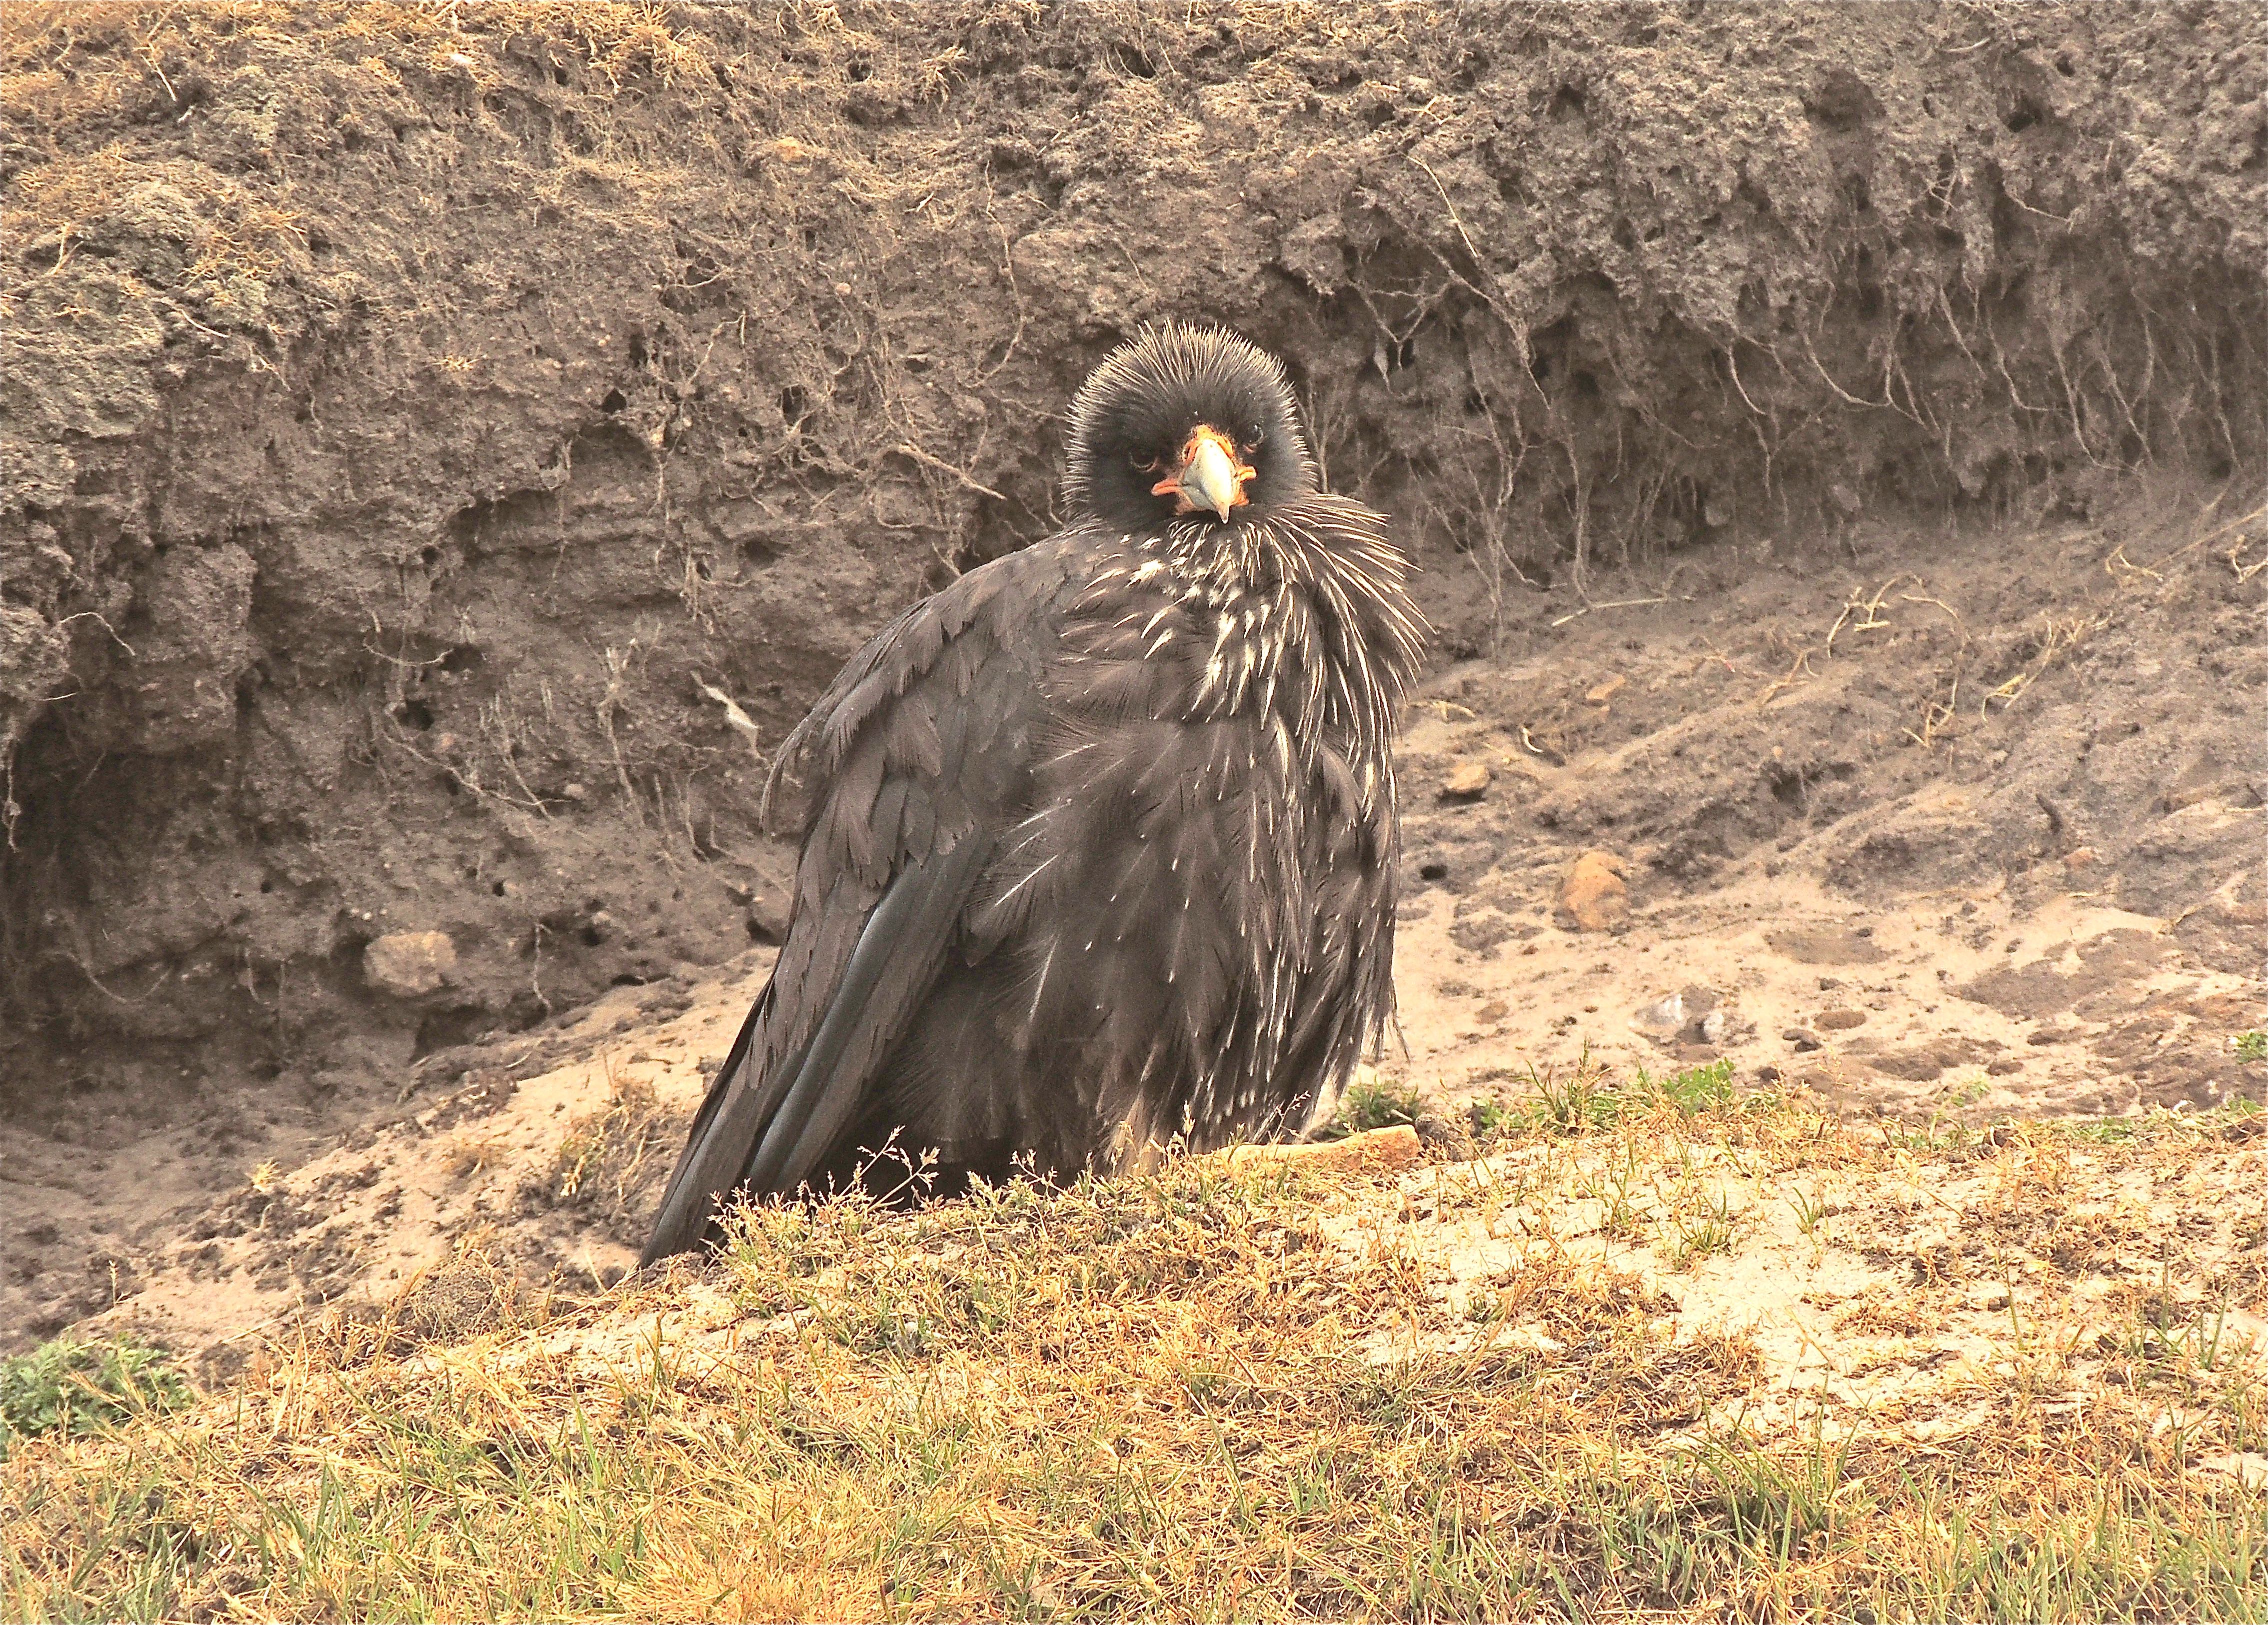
1101 842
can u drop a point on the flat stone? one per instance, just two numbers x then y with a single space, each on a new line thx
1841 1020
1692 1016
1664 1016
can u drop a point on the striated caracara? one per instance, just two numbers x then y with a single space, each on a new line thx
1102 841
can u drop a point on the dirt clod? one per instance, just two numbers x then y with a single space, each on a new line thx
1593 896
407 964
1467 780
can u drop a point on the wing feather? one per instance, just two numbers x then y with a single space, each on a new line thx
906 787
898 956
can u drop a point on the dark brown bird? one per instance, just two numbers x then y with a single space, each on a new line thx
1101 842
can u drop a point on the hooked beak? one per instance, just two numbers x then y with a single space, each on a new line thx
1210 474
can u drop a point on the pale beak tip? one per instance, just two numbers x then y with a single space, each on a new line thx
1211 479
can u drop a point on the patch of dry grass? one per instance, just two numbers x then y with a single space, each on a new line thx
1264 1390
611 1164
45 48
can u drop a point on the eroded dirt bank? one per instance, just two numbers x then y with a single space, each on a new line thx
420 423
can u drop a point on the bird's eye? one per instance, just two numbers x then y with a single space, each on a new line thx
1251 441
1145 464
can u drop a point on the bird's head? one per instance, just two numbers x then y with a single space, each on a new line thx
1185 422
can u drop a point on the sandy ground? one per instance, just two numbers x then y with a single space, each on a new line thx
1873 833
1962 826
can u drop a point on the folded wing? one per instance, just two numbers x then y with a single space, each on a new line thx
913 758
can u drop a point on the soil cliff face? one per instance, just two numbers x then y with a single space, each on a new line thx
432 433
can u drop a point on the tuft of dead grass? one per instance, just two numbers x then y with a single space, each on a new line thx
473 1290
1276 1389
610 1164
90 88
